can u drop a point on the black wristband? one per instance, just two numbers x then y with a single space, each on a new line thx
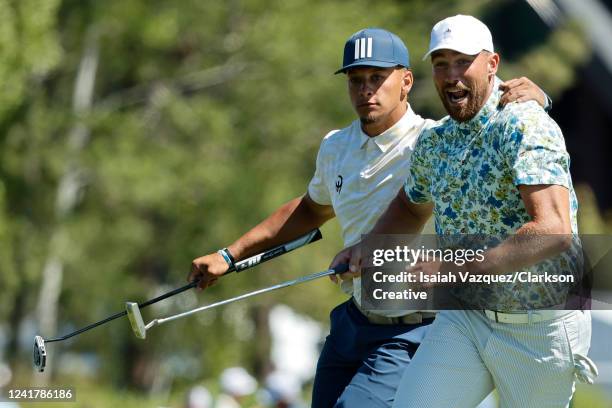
225 253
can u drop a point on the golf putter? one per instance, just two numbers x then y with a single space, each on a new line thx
140 328
40 351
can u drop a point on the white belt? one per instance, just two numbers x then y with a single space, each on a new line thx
529 316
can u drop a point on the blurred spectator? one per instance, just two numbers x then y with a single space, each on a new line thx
236 385
198 397
5 378
282 391
5 374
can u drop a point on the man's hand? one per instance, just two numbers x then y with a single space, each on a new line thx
423 270
521 90
351 256
426 273
208 269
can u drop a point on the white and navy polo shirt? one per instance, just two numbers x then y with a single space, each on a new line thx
359 175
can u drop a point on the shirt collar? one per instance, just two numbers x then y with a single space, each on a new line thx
387 139
482 117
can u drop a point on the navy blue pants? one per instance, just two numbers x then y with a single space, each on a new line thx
361 363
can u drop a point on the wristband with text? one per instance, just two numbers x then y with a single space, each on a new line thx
227 256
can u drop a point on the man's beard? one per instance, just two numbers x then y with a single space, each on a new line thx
368 120
475 101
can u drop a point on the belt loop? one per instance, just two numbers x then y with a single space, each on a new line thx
496 318
530 316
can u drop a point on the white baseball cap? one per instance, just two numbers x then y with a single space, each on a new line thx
464 34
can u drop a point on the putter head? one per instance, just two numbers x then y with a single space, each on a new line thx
40 354
133 313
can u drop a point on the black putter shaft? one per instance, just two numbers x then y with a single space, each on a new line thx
254 260
117 315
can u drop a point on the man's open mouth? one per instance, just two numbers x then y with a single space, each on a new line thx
457 96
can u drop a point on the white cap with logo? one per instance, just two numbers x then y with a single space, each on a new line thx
464 34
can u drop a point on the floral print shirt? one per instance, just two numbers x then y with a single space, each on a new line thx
471 170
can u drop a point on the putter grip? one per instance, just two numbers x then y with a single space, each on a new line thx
341 268
272 253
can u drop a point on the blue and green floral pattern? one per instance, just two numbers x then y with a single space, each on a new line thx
471 170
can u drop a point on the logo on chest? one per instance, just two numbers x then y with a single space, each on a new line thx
339 184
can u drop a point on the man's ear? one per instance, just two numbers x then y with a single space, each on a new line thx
407 81
493 63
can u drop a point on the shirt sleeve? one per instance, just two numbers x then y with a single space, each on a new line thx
317 188
417 185
535 151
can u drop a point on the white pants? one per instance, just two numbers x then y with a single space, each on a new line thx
465 355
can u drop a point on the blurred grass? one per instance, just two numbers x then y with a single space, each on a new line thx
590 396
95 394
91 394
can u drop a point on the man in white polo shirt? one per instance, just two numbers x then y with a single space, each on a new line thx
358 171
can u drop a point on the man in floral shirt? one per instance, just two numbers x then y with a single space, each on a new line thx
494 171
